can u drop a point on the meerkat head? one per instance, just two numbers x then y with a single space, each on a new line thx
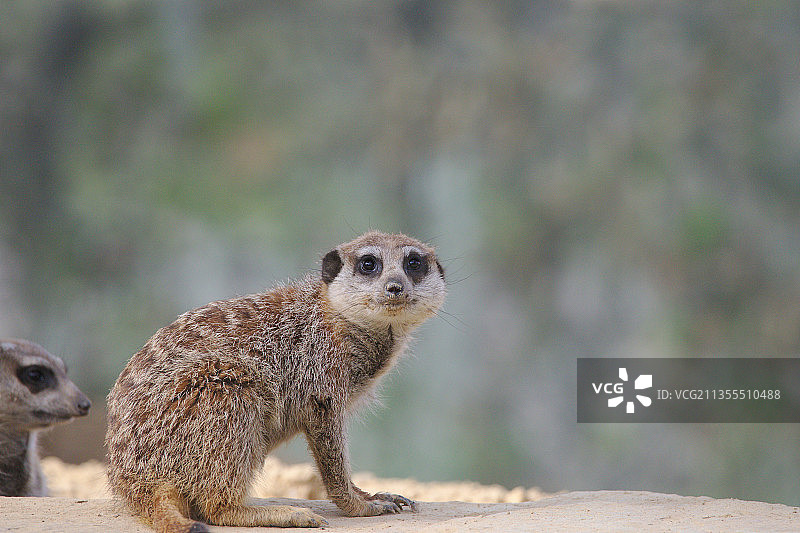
382 279
34 389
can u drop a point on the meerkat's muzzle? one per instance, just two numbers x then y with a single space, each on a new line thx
393 289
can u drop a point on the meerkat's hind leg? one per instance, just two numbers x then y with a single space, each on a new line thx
265 516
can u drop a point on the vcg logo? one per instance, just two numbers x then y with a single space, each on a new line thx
644 381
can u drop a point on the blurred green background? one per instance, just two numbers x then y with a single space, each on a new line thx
601 179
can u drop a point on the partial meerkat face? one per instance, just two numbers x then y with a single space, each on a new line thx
384 279
35 391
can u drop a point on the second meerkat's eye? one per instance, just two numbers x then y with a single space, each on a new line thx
36 378
368 265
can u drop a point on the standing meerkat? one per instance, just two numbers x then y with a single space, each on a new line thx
195 412
35 394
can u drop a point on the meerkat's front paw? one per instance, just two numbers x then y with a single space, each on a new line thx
398 501
379 507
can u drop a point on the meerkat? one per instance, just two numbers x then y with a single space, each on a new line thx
35 394
195 411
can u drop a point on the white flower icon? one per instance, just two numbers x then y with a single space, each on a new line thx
644 381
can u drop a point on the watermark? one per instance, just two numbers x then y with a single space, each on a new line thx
688 390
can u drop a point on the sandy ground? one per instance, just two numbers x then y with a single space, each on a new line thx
82 505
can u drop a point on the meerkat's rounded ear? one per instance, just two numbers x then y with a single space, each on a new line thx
331 265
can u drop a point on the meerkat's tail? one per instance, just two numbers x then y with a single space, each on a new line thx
170 513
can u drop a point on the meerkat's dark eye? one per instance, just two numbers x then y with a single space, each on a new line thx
368 265
416 266
414 263
36 377
33 375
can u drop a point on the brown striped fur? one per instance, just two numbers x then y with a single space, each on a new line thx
194 413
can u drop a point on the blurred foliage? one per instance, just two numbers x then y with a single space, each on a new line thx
601 178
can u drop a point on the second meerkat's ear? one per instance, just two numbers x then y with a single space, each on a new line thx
331 265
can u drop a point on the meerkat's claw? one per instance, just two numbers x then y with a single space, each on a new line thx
384 507
398 500
379 507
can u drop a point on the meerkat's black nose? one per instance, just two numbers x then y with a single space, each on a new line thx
393 289
84 405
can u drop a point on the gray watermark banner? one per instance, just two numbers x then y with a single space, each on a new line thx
688 390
